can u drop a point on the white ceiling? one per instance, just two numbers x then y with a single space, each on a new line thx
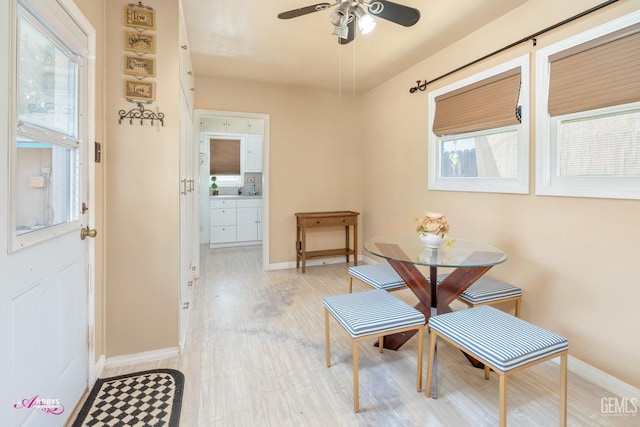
244 40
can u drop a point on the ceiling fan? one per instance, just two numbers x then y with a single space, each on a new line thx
348 12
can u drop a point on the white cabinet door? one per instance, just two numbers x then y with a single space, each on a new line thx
236 125
253 153
215 124
247 226
255 126
259 223
186 73
249 217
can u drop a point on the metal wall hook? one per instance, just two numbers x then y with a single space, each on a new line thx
141 114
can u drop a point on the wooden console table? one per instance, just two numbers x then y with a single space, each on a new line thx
305 220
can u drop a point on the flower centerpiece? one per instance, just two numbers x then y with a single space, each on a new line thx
432 228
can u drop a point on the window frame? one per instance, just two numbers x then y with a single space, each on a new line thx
548 182
517 185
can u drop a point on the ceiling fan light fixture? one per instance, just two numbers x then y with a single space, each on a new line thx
338 19
365 22
342 32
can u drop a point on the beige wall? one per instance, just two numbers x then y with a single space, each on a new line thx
315 153
141 196
574 257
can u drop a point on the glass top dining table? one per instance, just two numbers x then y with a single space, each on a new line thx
469 259
454 253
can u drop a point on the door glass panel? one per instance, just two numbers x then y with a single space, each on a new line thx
46 189
47 81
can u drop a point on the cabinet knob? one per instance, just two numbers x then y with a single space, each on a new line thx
184 46
185 306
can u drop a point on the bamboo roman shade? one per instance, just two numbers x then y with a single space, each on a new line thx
487 104
597 74
224 156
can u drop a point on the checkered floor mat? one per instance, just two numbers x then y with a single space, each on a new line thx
150 398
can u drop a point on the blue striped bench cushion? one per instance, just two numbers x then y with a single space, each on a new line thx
486 289
371 312
503 340
379 276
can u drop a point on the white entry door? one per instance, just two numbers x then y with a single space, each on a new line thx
45 199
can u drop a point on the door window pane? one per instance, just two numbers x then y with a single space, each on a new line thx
47 81
46 189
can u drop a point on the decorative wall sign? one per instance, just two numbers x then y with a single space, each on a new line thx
137 90
139 16
139 42
139 66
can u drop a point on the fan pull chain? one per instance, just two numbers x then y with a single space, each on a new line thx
339 72
354 68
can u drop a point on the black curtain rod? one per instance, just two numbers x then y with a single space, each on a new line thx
423 86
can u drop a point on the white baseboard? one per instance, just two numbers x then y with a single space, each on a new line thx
98 367
310 263
147 356
600 378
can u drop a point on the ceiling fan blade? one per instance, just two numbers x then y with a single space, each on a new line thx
394 12
352 33
303 11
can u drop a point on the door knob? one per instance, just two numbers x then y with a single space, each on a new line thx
88 232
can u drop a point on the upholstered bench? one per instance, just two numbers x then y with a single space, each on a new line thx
372 314
504 343
378 276
485 290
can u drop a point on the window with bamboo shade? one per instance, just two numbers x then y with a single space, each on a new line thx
589 114
479 131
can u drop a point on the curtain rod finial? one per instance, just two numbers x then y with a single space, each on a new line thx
421 86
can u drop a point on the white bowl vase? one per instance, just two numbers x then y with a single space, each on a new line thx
431 240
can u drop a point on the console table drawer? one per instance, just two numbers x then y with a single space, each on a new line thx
351 220
329 221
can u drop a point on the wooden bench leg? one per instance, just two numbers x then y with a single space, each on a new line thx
563 389
356 391
326 336
503 400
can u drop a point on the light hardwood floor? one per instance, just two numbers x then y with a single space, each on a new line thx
254 356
